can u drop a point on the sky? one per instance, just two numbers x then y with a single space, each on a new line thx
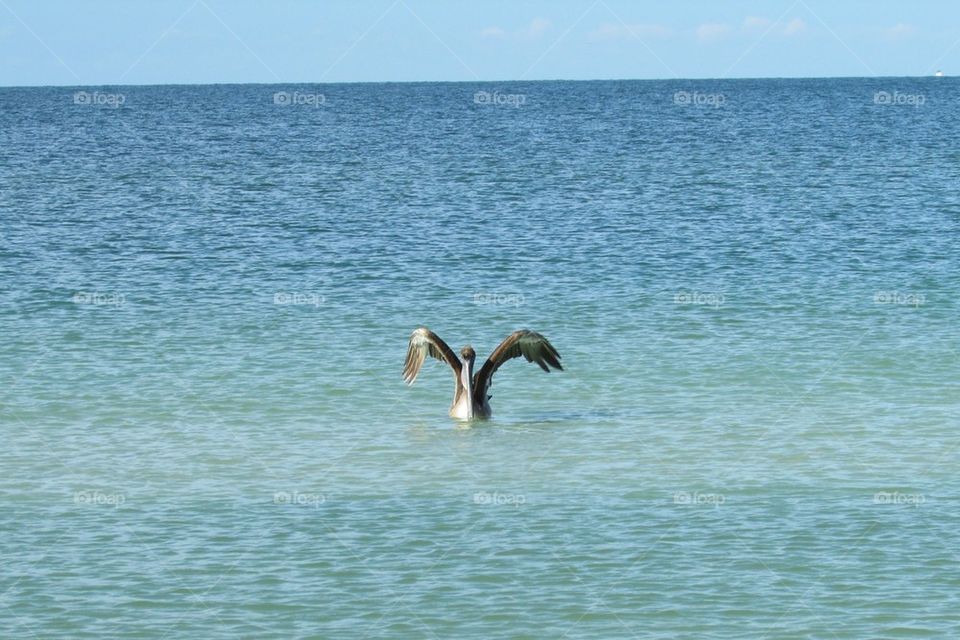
115 42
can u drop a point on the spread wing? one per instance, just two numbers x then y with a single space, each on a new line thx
529 344
424 342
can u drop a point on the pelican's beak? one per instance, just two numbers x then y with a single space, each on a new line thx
467 380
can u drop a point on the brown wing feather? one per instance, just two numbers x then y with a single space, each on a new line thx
424 342
529 344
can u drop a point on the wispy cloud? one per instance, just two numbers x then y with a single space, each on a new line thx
761 24
795 27
493 32
756 23
533 31
711 32
610 31
900 31
538 26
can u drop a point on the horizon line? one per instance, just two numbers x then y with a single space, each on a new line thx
471 82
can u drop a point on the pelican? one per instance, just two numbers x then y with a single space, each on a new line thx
470 399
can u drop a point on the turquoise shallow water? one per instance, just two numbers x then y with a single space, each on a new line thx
205 305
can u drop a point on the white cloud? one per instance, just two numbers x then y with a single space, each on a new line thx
712 32
609 31
794 27
493 32
900 31
756 23
536 28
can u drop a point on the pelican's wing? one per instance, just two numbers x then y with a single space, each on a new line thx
424 342
529 344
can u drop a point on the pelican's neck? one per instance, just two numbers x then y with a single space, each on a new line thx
466 379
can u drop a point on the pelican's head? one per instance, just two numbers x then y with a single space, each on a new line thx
468 354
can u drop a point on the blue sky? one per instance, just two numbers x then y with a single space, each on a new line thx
70 42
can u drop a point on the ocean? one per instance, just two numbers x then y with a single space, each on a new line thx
207 293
